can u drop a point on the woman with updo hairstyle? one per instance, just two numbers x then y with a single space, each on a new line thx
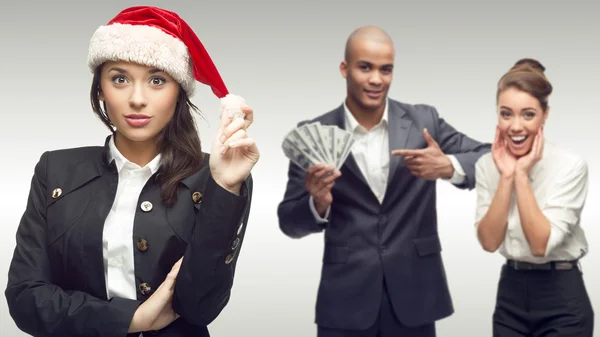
530 195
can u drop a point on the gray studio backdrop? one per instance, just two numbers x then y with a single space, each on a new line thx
283 58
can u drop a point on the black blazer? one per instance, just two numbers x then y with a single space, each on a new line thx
56 285
367 242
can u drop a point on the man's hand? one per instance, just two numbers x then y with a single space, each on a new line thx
429 163
319 181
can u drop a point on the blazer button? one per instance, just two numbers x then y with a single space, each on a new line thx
142 245
56 193
229 258
235 243
197 197
146 206
145 289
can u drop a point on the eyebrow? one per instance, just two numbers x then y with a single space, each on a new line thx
524 109
119 70
389 65
155 70
123 71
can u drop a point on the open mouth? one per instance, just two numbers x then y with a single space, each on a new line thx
518 141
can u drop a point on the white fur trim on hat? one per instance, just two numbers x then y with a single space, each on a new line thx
145 45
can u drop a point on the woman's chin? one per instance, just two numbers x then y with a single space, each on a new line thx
137 136
519 151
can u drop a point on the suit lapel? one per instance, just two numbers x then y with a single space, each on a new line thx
104 192
398 130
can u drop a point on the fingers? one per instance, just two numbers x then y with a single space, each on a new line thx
538 145
496 142
169 282
325 189
318 176
430 141
416 170
230 129
535 143
417 152
224 121
230 125
234 135
408 152
231 138
311 170
176 267
317 182
542 141
411 161
243 143
234 140
318 170
249 119
332 177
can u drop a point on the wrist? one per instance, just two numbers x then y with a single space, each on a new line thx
507 176
448 169
521 175
321 207
234 189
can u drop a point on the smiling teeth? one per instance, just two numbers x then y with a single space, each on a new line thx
518 139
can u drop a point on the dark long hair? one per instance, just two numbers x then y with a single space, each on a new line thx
178 143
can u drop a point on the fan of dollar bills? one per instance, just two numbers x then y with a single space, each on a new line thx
315 143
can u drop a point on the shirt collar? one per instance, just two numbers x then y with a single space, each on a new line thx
122 162
352 123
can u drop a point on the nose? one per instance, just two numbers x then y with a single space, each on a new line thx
138 100
375 78
516 126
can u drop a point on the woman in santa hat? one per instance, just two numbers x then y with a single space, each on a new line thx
143 233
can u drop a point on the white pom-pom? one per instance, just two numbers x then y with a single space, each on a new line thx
231 105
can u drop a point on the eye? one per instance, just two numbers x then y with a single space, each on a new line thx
529 115
505 113
364 67
157 80
119 79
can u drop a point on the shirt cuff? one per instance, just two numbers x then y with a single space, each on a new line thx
458 177
313 209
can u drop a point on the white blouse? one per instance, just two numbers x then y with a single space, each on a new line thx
559 182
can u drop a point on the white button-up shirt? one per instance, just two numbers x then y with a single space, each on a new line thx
371 151
117 239
559 182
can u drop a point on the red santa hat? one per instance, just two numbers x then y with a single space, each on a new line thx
158 38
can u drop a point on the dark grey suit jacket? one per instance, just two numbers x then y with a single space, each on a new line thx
366 241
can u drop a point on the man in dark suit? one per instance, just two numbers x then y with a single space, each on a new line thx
382 273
